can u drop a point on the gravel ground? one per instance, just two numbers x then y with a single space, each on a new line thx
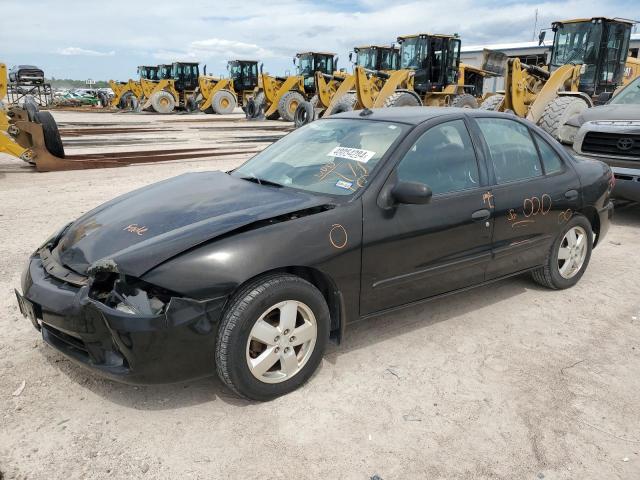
509 381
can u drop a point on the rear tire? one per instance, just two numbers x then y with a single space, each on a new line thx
492 103
466 100
163 102
223 102
261 102
237 350
402 98
345 103
52 139
554 273
288 104
124 100
557 113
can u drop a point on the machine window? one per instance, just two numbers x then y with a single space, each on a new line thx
443 158
513 153
550 159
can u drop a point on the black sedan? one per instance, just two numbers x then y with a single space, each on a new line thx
251 272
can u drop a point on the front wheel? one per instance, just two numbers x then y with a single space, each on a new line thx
568 257
272 337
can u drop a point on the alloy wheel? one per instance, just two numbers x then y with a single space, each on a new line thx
572 252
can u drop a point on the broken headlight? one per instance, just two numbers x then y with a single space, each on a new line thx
129 295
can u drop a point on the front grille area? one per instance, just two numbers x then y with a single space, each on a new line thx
618 144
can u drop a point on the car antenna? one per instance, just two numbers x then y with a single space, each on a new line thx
366 112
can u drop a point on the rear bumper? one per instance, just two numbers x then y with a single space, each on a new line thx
175 345
627 183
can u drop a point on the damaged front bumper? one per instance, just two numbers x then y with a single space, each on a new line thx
173 345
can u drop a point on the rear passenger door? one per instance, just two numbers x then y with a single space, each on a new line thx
534 192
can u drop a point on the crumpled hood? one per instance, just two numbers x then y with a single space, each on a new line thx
607 112
143 228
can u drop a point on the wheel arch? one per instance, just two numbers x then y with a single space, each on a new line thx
591 214
323 282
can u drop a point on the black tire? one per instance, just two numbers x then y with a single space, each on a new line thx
31 107
192 104
402 98
492 103
549 274
103 98
261 101
125 100
345 103
239 318
304 114
223 102
163 102
556 114
466 100
251 110
52 139
288 104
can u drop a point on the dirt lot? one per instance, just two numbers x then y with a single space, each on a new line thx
509 381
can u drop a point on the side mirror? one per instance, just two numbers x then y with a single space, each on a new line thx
204 70
541 36
412 193
351 57
261 67
294 60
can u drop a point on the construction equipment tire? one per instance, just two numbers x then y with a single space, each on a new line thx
224 102
556 114
124 100
163 102
304 114
288 104
345 103
52 139
261 101
31 107
402 98
192 104
492 103
466 100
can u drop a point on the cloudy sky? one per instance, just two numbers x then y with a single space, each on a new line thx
103 40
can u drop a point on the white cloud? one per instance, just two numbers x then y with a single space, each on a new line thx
74 51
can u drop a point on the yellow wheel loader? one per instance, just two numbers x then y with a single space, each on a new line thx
222 95
335 93
588 62
429 73
127 95
280 96
175 85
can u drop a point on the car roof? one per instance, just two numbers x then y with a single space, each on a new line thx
416 115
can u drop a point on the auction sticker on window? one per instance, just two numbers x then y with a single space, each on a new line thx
356 154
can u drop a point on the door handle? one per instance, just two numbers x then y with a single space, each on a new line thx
479 215
571 195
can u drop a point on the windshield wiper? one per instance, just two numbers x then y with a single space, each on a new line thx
261 181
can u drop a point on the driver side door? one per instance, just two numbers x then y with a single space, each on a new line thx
412 252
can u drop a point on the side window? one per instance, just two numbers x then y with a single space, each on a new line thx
443 158
513 153
550 159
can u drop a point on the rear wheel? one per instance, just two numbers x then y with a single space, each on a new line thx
272 336
402 98
288 104
557 113
569 255
492 103
163 102
466 100
52 139
223 102
31 107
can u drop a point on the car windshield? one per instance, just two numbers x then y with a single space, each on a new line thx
333 156
630 95
367 58
305 65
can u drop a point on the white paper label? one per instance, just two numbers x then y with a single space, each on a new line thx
356 154
343 184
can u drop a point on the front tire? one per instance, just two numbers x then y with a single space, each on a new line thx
272 336
569 256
